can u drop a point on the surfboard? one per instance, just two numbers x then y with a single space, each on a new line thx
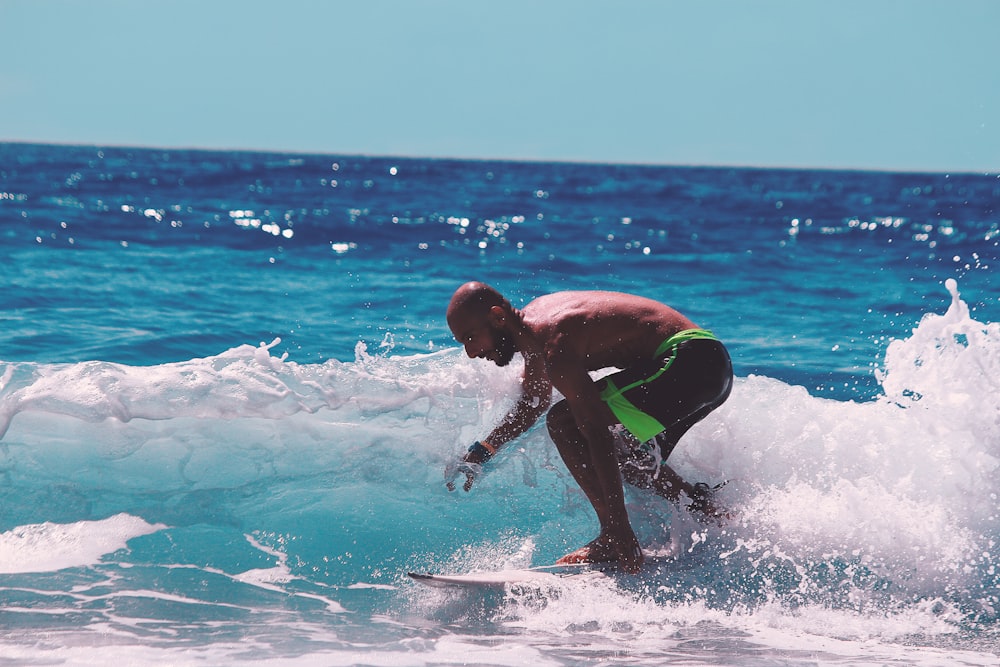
542 575
501 578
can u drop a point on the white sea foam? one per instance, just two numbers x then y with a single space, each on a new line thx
47 547
244 382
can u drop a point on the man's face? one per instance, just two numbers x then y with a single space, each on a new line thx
503 347
483 340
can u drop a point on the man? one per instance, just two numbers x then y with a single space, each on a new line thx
673 374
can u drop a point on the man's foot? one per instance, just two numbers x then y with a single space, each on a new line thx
600 551
703 503
595 551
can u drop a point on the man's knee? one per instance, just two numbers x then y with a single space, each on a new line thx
559 420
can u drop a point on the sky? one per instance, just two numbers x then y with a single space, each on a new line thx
909 85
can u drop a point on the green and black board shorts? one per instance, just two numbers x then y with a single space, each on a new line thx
690 375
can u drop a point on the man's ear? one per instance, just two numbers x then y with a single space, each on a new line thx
497 316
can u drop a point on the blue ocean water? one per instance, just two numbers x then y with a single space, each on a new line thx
228 394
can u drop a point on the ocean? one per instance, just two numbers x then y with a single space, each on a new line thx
228 395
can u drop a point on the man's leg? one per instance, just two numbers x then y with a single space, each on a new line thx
576 453
644 470
669 484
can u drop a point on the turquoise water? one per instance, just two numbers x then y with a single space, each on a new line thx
228 394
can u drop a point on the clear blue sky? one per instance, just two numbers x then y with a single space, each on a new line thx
870 84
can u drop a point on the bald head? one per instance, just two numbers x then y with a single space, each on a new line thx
475 299
481 320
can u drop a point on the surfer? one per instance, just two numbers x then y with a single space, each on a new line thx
672 374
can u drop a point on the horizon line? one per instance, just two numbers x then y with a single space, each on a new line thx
461 158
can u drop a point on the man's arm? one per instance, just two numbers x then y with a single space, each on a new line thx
535 398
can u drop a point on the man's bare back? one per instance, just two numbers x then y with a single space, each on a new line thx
604 329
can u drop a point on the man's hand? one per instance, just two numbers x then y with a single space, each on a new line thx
458 467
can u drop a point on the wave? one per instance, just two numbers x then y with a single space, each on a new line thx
881 509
